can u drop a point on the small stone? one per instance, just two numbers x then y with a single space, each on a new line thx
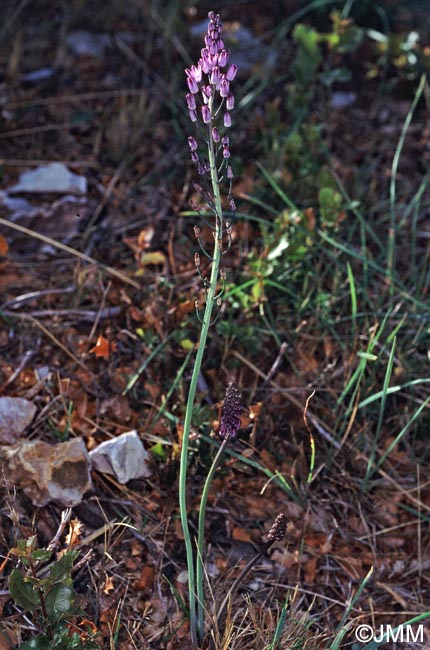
84 43
46 472
53 178
124 456
16 413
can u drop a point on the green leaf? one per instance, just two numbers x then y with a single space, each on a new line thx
61 570
158 450
36 643
23 592
330 205
367 355
308 55
41 555
60 600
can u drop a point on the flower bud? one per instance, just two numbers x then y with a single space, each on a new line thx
192 85
231 72
191 102
206 114
278 530
215 76
192 143
233 409
223 58
224 87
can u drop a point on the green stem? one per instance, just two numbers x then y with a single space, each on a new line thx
211 293
201 537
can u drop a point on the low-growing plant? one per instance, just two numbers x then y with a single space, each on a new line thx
42 585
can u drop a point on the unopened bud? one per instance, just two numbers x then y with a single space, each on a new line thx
206 114
233 409
229 103
192 143
231 72
278 530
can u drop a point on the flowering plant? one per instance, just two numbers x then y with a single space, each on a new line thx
209 103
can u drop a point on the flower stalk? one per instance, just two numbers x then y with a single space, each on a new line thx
229 426
209 103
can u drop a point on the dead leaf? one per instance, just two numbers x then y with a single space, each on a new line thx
146 580
4 246
108 586
74 534
241 535
103 347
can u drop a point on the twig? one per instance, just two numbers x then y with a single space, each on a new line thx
79 314
55 541
71 251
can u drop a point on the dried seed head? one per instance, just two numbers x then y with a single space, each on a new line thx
233 409
278 530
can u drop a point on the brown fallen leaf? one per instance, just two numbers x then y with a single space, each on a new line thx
103 347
